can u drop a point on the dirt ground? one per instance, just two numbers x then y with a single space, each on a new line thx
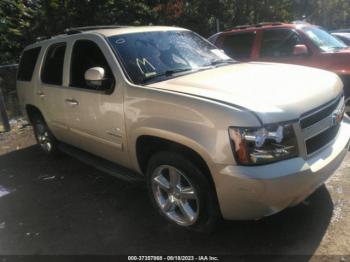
62 206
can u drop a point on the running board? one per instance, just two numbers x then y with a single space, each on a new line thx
101 164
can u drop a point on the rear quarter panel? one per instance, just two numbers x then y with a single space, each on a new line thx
26 90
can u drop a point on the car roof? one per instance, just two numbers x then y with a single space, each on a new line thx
132 29
106 31
267 25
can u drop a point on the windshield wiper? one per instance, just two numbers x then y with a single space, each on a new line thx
221 61
166 73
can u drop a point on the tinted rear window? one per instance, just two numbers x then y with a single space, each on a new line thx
27 64
239 46
53 66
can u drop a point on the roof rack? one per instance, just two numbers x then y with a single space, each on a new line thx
77 30
268 23
255 25
41 38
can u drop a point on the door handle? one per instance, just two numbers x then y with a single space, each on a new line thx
40 94
72 102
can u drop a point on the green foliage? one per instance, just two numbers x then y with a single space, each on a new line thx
21 21
15 18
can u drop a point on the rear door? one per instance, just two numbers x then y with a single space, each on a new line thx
277 45
239 46
95 116
50 88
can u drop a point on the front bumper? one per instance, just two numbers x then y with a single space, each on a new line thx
257 191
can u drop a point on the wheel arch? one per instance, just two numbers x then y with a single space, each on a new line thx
147 145
32 111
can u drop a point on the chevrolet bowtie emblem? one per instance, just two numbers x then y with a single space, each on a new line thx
337 116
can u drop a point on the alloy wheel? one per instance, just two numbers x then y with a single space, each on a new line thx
175 195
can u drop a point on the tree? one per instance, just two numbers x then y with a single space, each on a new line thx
15 17
53 16
198 15
21 21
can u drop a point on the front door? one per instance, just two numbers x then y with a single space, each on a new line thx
95 113
277 45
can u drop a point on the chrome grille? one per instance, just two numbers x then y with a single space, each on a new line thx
316 115
319 141
320 126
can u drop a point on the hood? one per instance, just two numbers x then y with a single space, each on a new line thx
275 92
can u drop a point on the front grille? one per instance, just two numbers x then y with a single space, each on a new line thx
318 126
317 142
320 114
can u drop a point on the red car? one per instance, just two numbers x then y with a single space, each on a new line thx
295 43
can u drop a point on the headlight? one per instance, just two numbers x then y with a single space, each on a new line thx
262 145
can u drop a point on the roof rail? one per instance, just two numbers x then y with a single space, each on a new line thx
268 23
77 30
256 25
41 38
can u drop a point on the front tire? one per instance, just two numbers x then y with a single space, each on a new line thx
181 192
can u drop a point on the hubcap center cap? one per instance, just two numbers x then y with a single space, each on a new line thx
173 198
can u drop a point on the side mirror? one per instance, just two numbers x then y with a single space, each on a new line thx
300 50
94 77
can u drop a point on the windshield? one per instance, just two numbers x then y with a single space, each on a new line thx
156 56
323 39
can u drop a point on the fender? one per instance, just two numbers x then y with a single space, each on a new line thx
167 135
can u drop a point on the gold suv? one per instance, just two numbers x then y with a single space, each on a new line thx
211 137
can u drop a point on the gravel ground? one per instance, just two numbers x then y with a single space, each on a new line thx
62 206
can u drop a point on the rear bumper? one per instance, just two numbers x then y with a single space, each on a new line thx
253 192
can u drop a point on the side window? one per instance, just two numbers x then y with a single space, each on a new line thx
27 64
239 46
53 66
86 54
279 43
